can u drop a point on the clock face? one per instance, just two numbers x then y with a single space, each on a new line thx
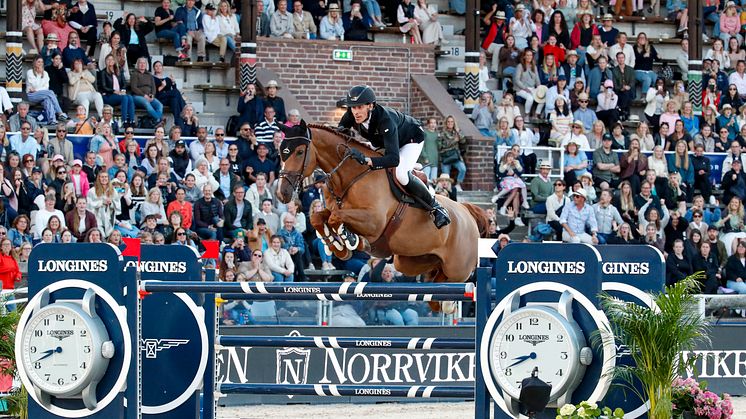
533 338
58 350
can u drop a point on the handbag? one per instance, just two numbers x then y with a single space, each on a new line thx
450 156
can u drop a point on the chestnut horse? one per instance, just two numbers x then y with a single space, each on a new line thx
361 200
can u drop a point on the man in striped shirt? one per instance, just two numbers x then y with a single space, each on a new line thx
265 130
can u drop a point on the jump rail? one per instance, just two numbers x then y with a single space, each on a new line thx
274 288
351 297
345 342
336 390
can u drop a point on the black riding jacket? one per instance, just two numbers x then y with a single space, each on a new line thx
388 129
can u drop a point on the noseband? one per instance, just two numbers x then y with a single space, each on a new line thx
287 147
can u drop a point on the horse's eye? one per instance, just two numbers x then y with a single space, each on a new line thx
299 152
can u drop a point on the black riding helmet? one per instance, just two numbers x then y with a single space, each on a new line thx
360 95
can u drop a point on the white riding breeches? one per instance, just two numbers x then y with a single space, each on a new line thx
408 156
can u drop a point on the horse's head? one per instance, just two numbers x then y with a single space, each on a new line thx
298 160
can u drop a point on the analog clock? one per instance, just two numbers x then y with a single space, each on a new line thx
541 337
66 350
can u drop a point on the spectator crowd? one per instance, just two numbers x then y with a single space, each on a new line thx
553 73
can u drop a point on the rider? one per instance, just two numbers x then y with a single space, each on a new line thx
402 138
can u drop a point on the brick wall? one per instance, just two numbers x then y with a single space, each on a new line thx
306 68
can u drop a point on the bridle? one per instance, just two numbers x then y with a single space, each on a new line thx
287 147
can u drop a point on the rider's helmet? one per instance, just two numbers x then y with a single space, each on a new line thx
360 95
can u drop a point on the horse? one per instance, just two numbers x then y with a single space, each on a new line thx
359 200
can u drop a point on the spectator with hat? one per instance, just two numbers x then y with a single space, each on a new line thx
730 22
575 163
607 30
727 119
520 27
576 134
541 188
572 69
497 32
271 98
583 113
331 26
576 217
608 101
50 48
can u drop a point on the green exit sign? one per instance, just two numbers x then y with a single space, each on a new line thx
342 55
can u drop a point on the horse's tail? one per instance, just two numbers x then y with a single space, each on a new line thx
480 217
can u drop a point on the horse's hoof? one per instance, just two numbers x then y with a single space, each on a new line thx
352 241
448 307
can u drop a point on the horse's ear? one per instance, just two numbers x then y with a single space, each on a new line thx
283 128
303 124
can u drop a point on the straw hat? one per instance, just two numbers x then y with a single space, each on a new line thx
444 177
500 15
540 94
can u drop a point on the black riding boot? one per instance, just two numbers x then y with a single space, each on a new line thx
419 191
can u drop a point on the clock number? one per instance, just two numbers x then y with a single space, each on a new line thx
86 349
83 333
533 321
37 365
47 376
61 381
563 355
519 326
74 377
509 338
560 338
503 355
559 373
508 372
60 317
38 333
32 349
73 321
549 324
46 322
83 366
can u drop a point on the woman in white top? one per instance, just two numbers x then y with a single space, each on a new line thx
652 216
37 88
520 27
154 205
82 88
228 25
484 72
717 52
526 139
203 176
407 21
331 26
432 30
658 162
279 260
576 135
213 162
104 202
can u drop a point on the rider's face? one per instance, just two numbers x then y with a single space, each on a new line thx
360 112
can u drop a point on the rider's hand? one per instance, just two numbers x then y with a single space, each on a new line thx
358 156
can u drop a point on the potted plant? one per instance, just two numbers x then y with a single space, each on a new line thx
17 401
692 400
588 410
656 338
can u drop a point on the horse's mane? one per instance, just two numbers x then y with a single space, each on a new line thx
356 139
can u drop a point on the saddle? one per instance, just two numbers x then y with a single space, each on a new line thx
380 247
399 191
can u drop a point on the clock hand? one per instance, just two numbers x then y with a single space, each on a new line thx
520 359
49 353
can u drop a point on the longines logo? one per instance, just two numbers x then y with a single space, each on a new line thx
60 334
153 346
158 267
534 339
545 267
72 265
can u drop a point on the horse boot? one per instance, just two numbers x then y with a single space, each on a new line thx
419 191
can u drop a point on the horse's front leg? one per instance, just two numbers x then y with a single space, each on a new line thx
350 223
